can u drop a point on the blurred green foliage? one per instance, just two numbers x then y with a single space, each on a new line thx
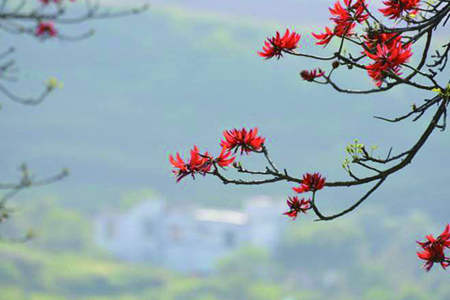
366 256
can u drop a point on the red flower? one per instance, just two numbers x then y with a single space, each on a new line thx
311 182
311 75
372 39
388 58
433 250
324 38
434 253
340 30
344 20
276 45
443 239
396 8
247 141
296 206
355 6
198 164
46 29
224 159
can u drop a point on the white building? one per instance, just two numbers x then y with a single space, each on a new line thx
188 238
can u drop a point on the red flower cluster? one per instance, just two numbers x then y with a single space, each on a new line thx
46 29
344 20
433 250
311 75
296 206
224 159
276 45
201 164
372 39
396 8
311 182
198 164
247 141
388 58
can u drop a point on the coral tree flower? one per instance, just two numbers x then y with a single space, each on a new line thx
224 159
276 45
396 8
433 250
46 29
345 19
248 141
388 58
324 38
198 164
311 75
296 206
373 39
311 182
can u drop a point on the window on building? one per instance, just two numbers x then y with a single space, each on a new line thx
176 233
148 227
230 239
202 229
110 229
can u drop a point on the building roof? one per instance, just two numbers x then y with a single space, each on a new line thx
222 216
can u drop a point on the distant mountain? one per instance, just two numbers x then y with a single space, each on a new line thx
148 86
287 12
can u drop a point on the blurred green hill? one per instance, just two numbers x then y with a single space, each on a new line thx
368 256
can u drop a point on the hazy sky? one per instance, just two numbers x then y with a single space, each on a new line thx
151 85
285 11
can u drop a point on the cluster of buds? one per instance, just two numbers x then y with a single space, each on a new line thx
444 93
53 83
355 150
